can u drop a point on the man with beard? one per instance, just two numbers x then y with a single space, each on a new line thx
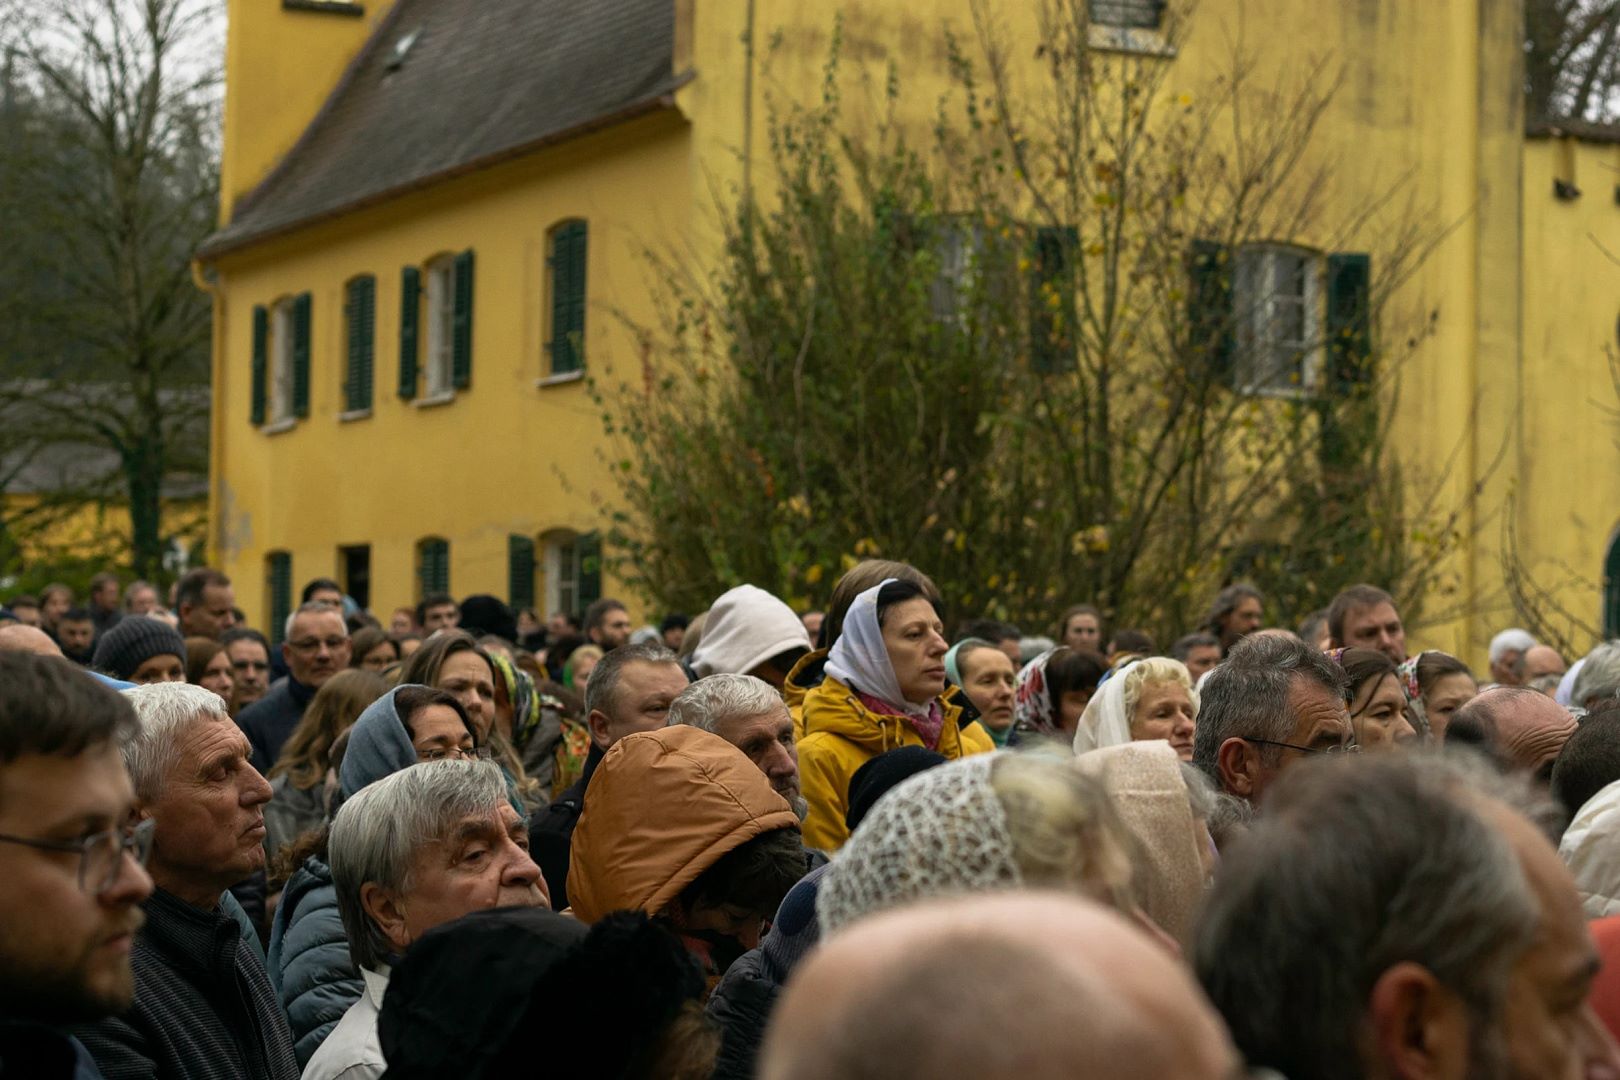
204 1008
71 880
76 633
750 715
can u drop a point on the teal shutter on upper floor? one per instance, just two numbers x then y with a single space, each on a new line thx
360 310
300 354
462 323
410 302
261 360
567 344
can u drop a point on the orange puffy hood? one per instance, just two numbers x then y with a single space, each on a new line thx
662 807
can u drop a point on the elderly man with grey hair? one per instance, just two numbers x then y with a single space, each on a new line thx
1507 649
1599 676
426 845
1273 703
750 715
316 647
204 1008
1377 949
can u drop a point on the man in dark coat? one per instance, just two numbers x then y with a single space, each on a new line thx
71 883
317 647
204 1008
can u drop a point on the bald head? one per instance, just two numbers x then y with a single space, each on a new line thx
1061 988
1526 728
19 637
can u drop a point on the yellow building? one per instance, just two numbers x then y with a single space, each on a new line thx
435 211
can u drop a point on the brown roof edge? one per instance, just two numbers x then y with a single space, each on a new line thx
662 99
1584 130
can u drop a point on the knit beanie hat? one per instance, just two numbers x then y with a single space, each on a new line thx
134 641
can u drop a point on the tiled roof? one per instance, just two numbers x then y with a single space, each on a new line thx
448 86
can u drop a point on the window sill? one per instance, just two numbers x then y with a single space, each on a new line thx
354 414
561 379
1129 39
278 426
436 400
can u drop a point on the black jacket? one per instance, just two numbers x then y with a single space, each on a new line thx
41 1053
269 721
740 1007
204 1009
551 832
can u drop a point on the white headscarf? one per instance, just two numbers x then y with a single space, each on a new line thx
860 660
1105 722
941 832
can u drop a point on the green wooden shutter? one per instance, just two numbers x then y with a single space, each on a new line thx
300 357
279 581
360 310
1611 592
462 317
568 245
1051 344
261 350
410 301
433 566
520 571
1349 320
589 553
1209 313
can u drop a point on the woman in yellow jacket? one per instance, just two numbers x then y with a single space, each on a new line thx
885 675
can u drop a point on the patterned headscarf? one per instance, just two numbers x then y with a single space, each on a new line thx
1032 704
1408 676
520 692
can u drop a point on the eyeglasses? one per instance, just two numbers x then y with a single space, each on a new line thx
1341 748
309 645
454 753
101 855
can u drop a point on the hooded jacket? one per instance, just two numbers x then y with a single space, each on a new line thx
746 627
662 808
309 960
1145 786
1593 858
806 675
840 735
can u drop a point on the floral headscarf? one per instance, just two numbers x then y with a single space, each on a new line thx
1408 676
1032 703
520 692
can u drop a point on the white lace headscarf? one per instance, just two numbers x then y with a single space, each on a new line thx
860 660
939 833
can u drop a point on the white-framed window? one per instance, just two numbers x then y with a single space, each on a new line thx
281 373
1277 300
562 572
438 359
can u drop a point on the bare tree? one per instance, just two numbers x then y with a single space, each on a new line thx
114 113
1572 59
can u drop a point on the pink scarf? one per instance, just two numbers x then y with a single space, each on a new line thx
928 728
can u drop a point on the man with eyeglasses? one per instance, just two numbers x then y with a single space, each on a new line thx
1273 703
249 654
71 879
204 1008
316 648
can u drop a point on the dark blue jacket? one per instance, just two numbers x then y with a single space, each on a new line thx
309 961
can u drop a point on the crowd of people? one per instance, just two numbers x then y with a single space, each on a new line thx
755 842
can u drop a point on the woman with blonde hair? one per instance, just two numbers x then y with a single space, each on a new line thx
1147 699
304 778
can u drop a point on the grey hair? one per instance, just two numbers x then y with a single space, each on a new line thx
379 830
712 701
1599 677
165 709
310 608
1246 697
604 682
1293 907
1511 640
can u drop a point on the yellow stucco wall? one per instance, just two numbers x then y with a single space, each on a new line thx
281 64
1511 308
